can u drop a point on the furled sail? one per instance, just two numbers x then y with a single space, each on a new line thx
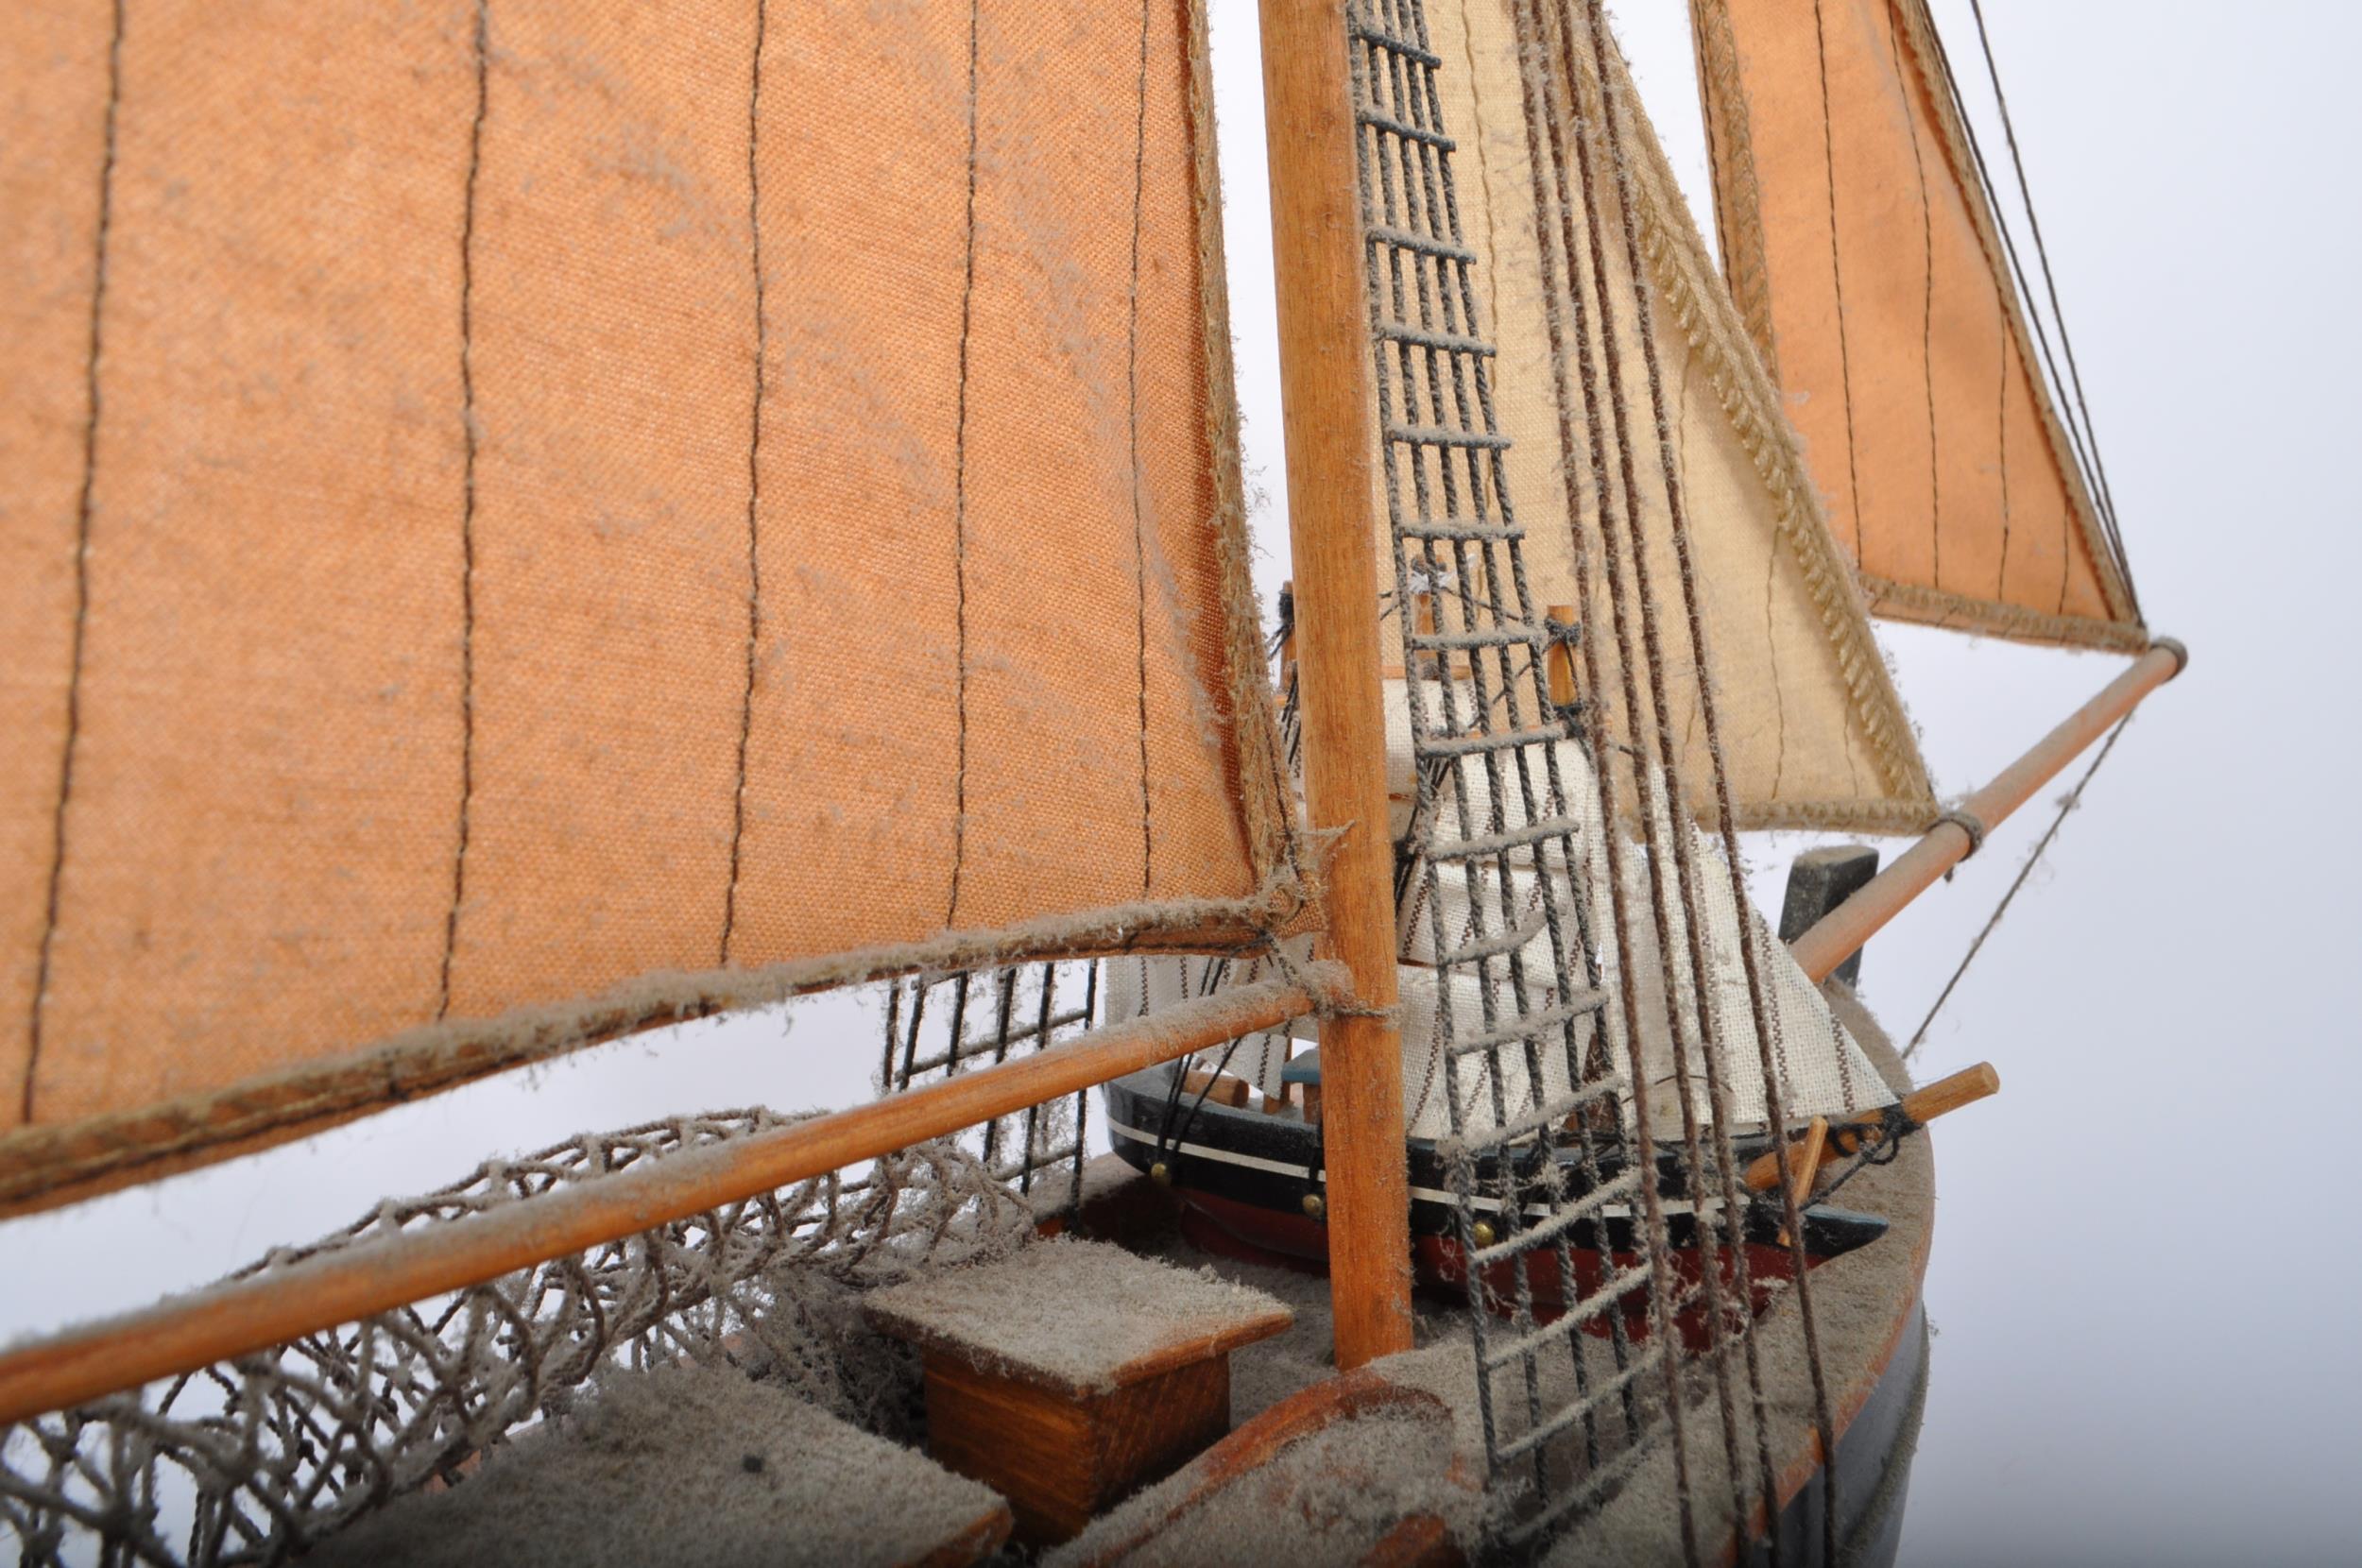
1864 256
1813 732
519 520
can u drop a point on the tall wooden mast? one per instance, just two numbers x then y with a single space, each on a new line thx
1327 402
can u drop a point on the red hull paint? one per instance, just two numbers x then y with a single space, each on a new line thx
1239 1230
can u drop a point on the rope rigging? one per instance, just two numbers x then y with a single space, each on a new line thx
2075 408
2067 806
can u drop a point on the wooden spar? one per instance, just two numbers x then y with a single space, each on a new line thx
1965 1087
1325 403
1559 662
1840 933
188 1332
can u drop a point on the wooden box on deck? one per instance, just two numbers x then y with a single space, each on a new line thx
1137 1383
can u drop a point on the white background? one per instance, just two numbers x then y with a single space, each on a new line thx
2144 1283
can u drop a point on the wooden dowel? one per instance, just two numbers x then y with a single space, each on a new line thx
185 1333
1326 400
1805 1158
1559 662
1840 933
1964 1088
1804 1161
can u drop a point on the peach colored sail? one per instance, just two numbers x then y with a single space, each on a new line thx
522 519
1863 256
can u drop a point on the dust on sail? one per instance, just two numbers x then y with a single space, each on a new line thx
1864 255
524 522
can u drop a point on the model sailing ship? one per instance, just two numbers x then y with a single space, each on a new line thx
527 526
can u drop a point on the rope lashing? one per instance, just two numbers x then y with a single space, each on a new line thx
2066 807
1326 1003
1967 822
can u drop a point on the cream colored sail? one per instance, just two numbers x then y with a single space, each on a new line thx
517 519
1813 733
1823 1069
1861 247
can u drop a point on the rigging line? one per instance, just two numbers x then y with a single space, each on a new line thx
2042 254
1712 1033
1959 104
82 566
1769 1048
2066 805
2080 440
1555 200
1440 219
1042 1042
1554 221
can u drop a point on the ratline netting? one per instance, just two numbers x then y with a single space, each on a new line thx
938 1026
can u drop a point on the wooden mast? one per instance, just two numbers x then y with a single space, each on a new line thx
1327 401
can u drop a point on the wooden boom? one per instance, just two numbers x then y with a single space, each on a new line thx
1839 934
184 1332
1326 399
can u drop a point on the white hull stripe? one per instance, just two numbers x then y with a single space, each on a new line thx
1429 1195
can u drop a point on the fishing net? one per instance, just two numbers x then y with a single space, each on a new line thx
251 1460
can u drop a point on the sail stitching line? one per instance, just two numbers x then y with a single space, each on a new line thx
2000 587
754 478
1131 363
2106 498
1837 281
959 483
470 440
1967 160
81 568
1927 330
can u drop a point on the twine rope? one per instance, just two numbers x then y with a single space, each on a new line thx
2068 804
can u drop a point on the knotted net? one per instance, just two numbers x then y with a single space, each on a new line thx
251 1461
